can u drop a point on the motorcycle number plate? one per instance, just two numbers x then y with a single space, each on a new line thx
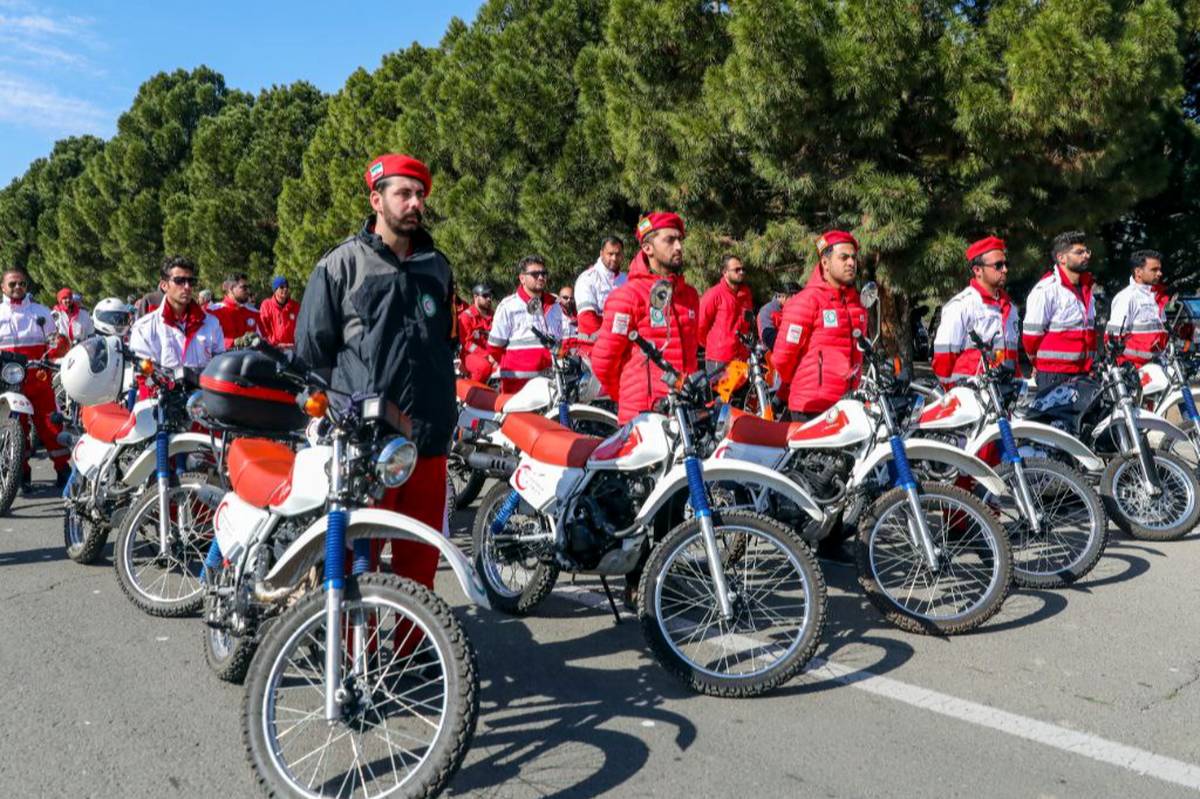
18 403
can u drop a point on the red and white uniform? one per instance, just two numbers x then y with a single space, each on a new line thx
235 319
74 325
1139 311
473 329
512 343
172 342
993 319
277 323
591 292
1060 324
26 328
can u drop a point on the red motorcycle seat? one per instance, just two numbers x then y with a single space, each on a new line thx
750 429
548 441
107 422
260 471
480 397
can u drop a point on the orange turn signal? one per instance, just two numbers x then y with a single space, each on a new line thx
316 405
147 367
896 368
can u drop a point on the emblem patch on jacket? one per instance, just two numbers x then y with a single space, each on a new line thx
428 305
658 317
621 324
830 318
793 334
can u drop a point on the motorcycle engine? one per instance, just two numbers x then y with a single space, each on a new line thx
608 506
822 473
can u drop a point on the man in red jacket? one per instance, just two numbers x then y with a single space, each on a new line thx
723 311
474 324
277 316
815 353
619 365
235 313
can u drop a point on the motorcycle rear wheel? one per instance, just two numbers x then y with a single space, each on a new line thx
12 460
1169 516
515 578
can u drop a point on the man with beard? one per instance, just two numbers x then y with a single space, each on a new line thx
1138 311
378 317
983 308
512 342
723 311
474 324
593 287
1060 315
237 316
621 367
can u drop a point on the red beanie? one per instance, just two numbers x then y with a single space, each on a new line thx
985 245
657 221
392 165
831 237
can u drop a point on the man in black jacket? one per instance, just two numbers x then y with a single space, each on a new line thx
378 317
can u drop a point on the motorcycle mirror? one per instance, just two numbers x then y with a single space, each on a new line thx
869 294
660 295
534 306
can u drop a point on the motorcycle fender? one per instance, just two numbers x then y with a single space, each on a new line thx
1042 434
936 451
1175 400
722 470
309 548
143 468
11 402
1156 428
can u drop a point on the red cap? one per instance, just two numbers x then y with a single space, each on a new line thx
657 221
832 237
393 165
985 245
64 294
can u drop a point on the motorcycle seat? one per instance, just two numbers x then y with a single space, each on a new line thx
751 430
548 441
260 471
480 397
107 422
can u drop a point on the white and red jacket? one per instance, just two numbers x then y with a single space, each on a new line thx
1060 324
25 327
511 340
73 325
993 319
1139 312
591 292
171 341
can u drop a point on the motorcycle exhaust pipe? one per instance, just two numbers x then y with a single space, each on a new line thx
494 465
265 594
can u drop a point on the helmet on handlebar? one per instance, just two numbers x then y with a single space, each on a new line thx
112 317
93 370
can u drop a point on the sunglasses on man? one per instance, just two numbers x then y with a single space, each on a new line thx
536 274
184 281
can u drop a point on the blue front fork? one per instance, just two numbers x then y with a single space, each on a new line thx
918 528
162 462
700 507
1189 405
564 414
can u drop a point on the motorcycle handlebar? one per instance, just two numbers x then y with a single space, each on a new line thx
653 354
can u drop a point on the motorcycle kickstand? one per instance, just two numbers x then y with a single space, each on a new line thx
611 602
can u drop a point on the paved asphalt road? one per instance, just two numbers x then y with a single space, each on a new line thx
1089 692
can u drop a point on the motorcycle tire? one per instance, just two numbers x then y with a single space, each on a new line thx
1133 509
292 655
465 481
83 540
490 560
885 552
1080 552
228 655
12 458
677 574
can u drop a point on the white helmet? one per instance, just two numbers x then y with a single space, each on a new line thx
112 317
92 372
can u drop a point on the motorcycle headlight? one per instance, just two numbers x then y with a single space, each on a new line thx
12 373
396 461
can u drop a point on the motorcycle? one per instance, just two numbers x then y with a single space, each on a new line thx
731 602
1168 392
1055 519
13 437
751 383
369 683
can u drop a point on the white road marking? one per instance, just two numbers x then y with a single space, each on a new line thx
1090 746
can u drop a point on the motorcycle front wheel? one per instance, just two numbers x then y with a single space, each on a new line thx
1167 516
408 711
777 594
974 569
12 459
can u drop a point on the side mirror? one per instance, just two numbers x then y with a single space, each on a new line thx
660 295
869 295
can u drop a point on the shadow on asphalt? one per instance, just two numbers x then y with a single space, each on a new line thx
27 556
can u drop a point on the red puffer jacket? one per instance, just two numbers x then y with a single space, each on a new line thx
619 365
722 317
814 350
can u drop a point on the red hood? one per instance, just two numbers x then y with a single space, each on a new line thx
817 280
639 269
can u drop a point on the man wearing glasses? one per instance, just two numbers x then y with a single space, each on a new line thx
511 342
723 310
27 328
178 333
474 325
1060 317
235 313
982 307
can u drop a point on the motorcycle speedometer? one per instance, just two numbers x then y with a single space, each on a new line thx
12 373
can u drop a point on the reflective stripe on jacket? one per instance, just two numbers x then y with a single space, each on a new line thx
1060 324
993 319
1138 313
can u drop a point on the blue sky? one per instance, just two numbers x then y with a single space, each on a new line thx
72 67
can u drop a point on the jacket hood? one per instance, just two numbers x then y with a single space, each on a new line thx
639 269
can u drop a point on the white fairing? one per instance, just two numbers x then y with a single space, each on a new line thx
144 425
11 402
88 455
844 425
310 482
769 457
1154 379
957 409
540 484
641 442
533 396
236 524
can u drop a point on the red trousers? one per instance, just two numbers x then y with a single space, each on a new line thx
38 389
423 497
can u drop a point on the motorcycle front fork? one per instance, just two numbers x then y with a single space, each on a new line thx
336 688
1024 496
1130 437
716 568
163 465
918 525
